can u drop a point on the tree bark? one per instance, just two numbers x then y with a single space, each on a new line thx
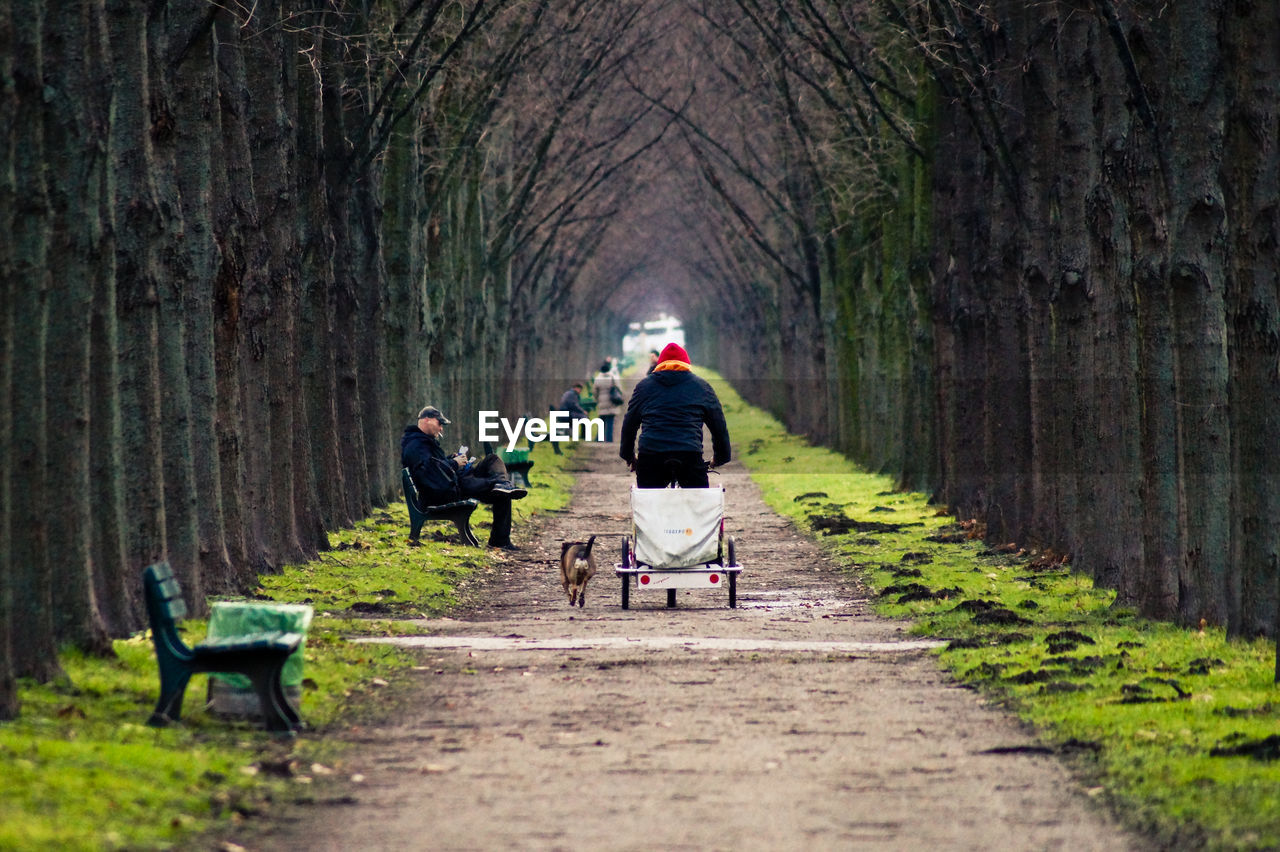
117 589
190 58
1251 170
34 649
232 217
1195 110
138 231
272 290
346 312
370 283
9 703
246 291
177 268
74 139
310 516
315 320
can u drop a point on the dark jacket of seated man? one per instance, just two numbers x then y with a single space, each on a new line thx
441 478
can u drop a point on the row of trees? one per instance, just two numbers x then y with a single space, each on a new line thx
1106 297
1021 255
812 150
1025 254
244 244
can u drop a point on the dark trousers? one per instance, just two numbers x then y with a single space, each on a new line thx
658 470
608 427
478 483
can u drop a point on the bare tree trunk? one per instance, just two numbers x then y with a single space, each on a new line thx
233 215
138 230
315 317
243 333
1251 172
402 250
310 508
346 313
35 655
1195 110
191 57
1040 274
272 287
176 270
1101 503
370 284
74 138
9 704
117 589
1008 393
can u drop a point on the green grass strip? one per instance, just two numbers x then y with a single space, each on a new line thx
1139 708
81 770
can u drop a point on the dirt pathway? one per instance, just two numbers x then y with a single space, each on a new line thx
819 726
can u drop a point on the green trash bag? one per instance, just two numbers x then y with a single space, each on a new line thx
241 618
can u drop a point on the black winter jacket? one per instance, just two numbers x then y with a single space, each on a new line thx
673 405
572 403
433 472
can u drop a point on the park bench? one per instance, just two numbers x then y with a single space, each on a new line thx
517 461
458 512
518 464
258 656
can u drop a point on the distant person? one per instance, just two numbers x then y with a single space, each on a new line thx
654 357
442 478
572 402
668 408
609 397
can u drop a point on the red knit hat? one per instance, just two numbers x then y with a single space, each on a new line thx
673 352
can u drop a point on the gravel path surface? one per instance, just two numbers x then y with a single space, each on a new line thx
798 720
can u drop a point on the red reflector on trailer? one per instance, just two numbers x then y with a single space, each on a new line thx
644 579
715 578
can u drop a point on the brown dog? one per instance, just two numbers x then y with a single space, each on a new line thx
577 566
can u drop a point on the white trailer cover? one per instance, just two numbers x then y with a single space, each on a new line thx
677 527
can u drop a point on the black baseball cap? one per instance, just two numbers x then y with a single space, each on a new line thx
434 413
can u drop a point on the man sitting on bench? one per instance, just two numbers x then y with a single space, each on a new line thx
441 478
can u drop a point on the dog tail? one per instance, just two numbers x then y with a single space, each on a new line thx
586 551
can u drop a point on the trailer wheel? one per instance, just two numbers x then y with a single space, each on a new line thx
626 578
733 576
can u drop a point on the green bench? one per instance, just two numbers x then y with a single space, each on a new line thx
258 656
517 461
518 464
458 512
